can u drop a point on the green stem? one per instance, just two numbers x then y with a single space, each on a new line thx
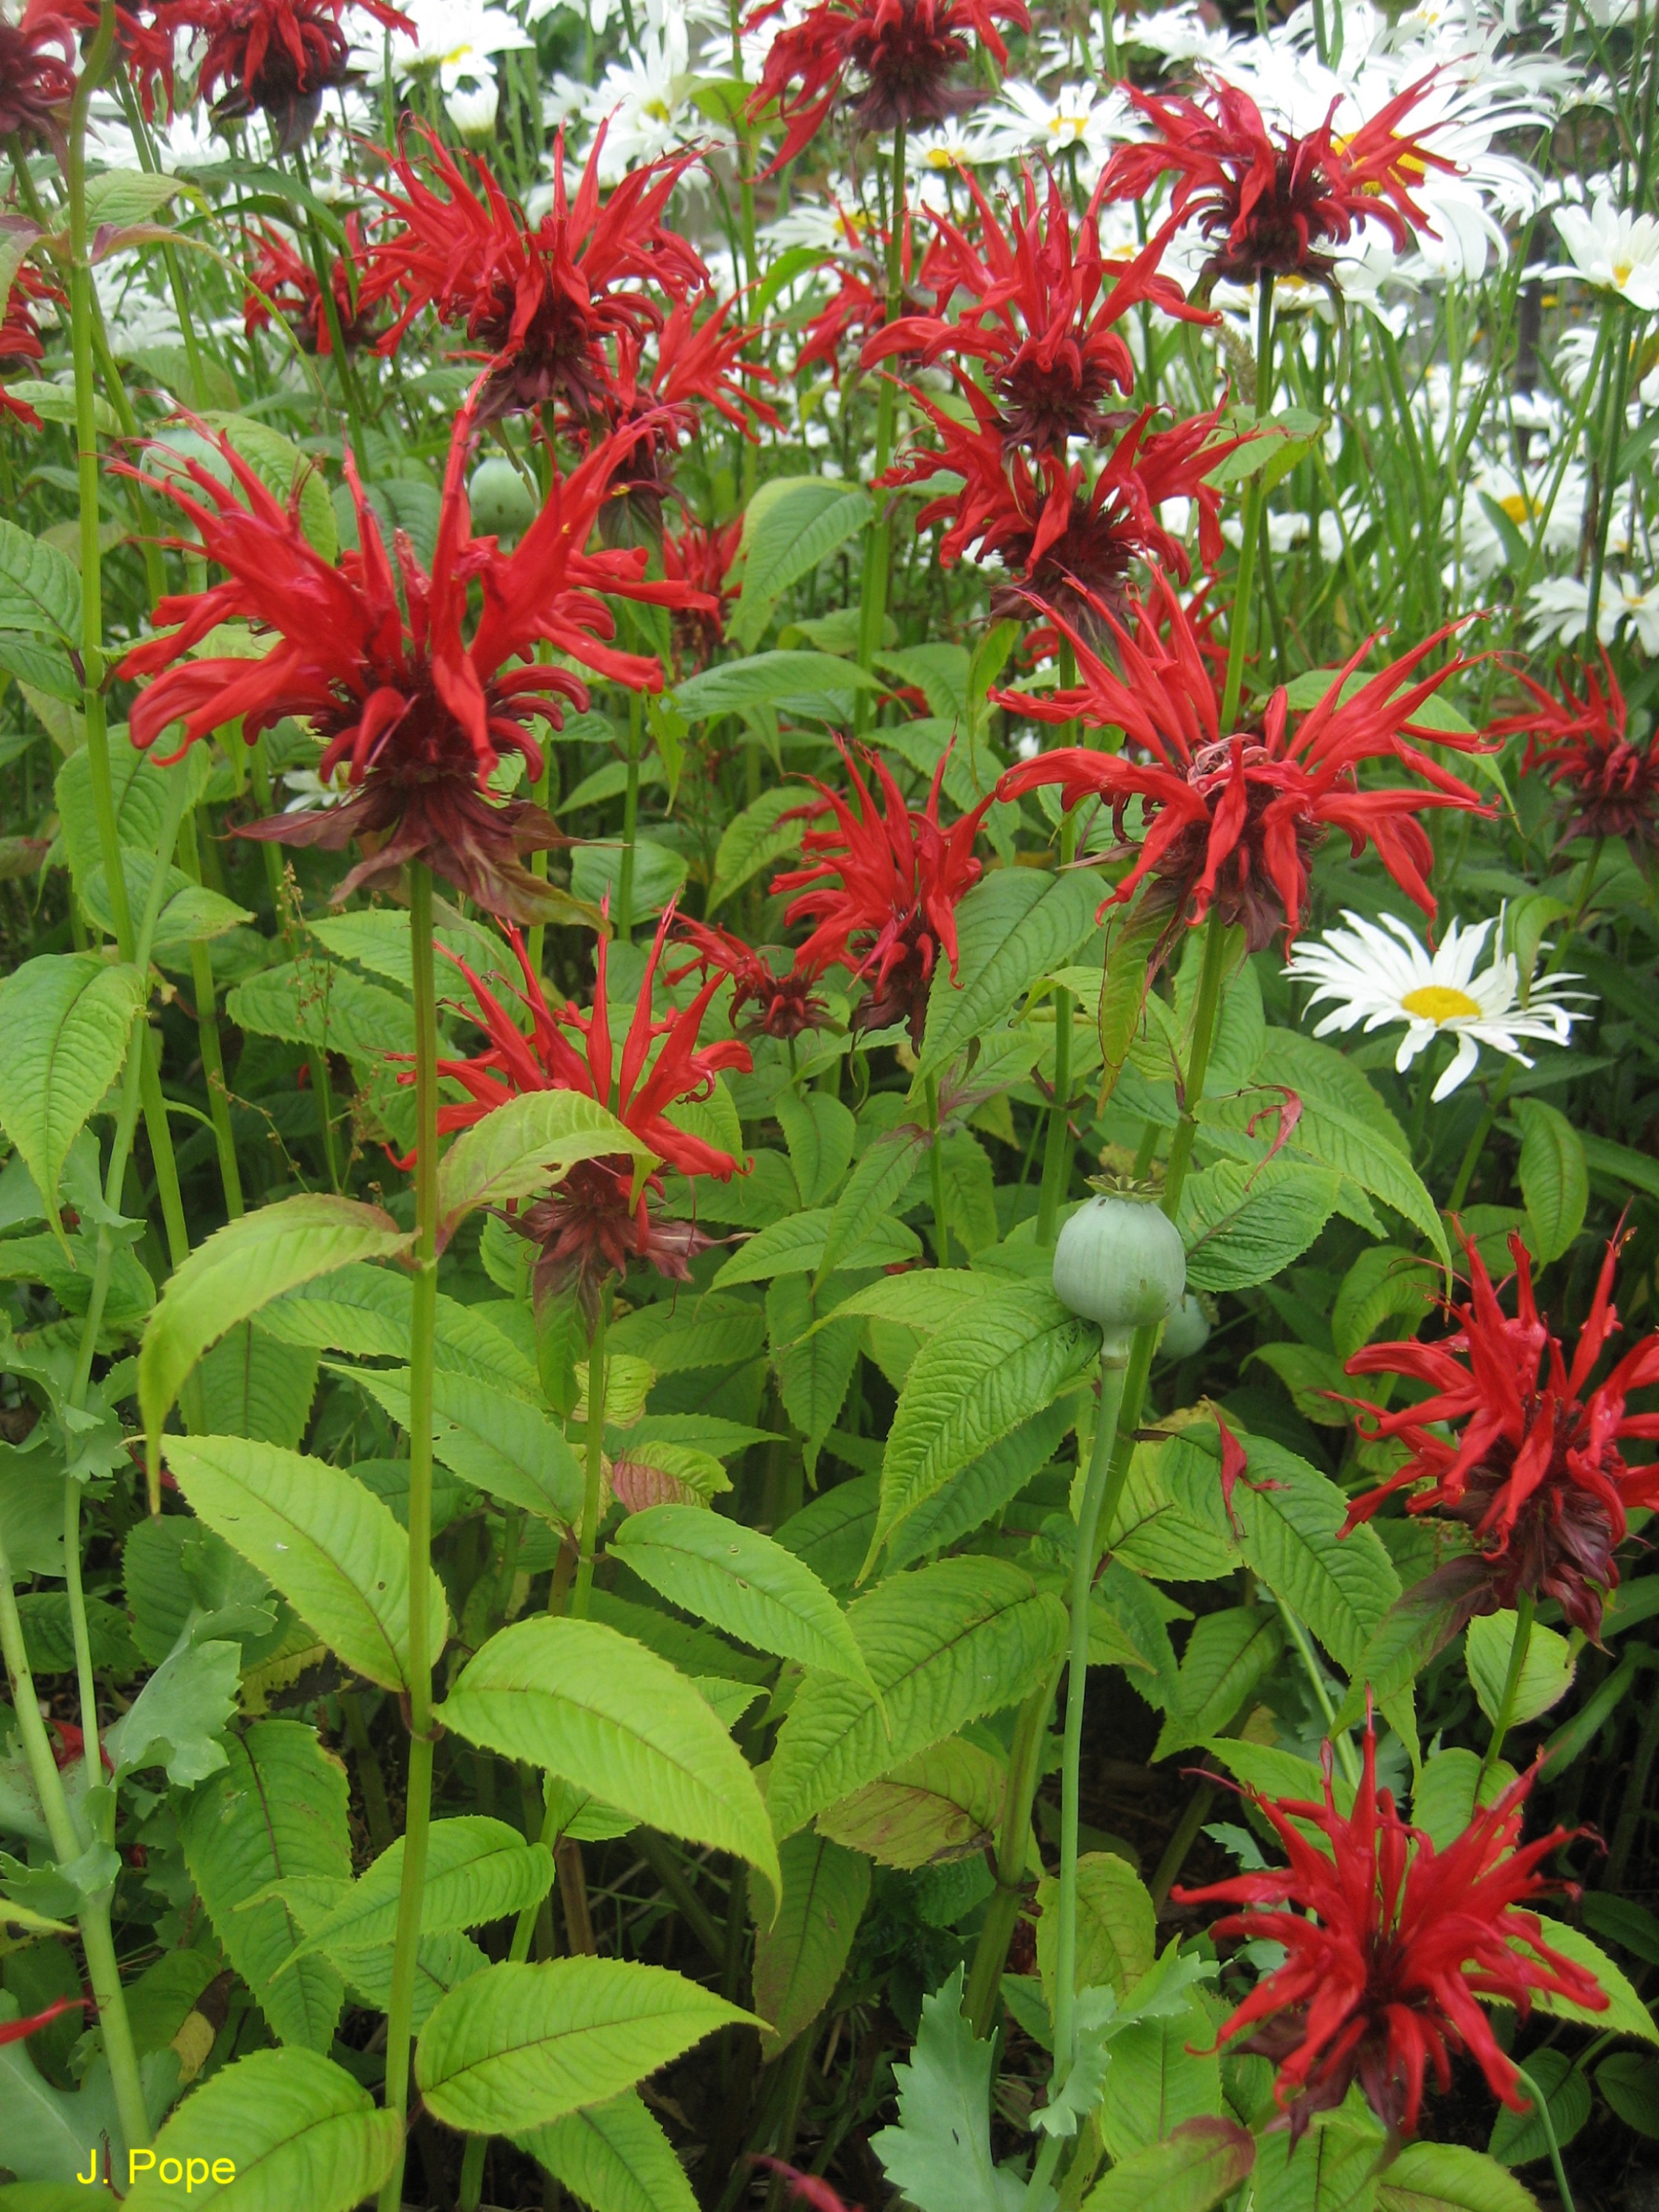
630 823
1476 1144
323 268
1238 631
208 1039
1013 1845
936 1174
1196 1812
1541 2106
1084 1561
1057 1138
1500 1728
1606 472
595 1470
1311 1669
878 537
422 1332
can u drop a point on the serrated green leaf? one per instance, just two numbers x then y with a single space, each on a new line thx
764 679
613 2156
939 2153
1116 1925
1199 2163
943 1805
518 2046
742 1582
477 1869
1431 2177
610 1716
524 1146
793 523
859 1222
1518 2138
761 835
1226 1656
796 1246
321 1537
1242 1225
944 1645
801 1957
1339 1586
40 587
1554 1176
1013 926
67 1019
1624 2014
297 2128
494 1440
1546 1672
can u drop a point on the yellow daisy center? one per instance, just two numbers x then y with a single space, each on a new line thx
940 157
1621 271
657 110
1518 506
1439 1003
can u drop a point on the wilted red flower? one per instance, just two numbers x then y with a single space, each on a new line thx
1231 817
145 47
699 556
900 55
881 887
1531 1464
590 1225
1583 744
275 57
1270 203
37 69
1040 311
281 278
419 715
538 302
1069 540
1391 1944
782 1005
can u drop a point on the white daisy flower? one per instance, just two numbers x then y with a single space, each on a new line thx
1612 249
1378 976
1026 120
312 792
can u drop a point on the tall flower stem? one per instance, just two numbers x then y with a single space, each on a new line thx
1310 1668
1013 1845
1607 462
1519 1645
630 823
422 1331
1085 1560
209 1041
323 268
936 1174
594 1484
878 538
1541 2106
1238 631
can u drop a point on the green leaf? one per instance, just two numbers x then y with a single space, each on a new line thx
1547 1672
766 679
285 470
365 1310
312 1002
1625 2014
1243 1225
1554 1176
518 2046
738 1580
945 1645
944 1805
121 196
1200 2163
1384 1284
1339 1586
67 1017
796 1246
1226 1656
491 1438
793 523
939 2153
1165 2070
251 1385
858 1221
761 835
1015 925
613 1718
799 1959
1416 1627
40 587
820 1134
1629 2082
277 1813
298 2129
614 2157
477 1869
813 1362
525 1145
322 1539
1116 1925
378 939
179 1719
1333 2169
1518 2138
1002 1361
970 1496
1431 2177
242 1267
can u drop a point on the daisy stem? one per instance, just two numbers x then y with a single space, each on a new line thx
1541 2106
878 538
423 1313
1500 1728
1085 1560
1476 1146
595 1482
1605 479
1238 632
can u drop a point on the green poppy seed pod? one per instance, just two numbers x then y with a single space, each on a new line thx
1187 1330
502 503
1120 1262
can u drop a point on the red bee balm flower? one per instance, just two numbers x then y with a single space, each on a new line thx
590 1225
1070 543
883 888
19 337
900 52
763 1003
1531 1464
1041 313
420 715
275 58
539 302
1272 204
1390 1943
1231 818
699 556
37 70
282 279
1610 786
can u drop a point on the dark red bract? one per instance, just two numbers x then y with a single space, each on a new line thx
1272 204
894 58
37 70
419 715
1391 1945
590 1225
275 57
1517 1443
881 887
1608 784
1230 818
763 1003
281 280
